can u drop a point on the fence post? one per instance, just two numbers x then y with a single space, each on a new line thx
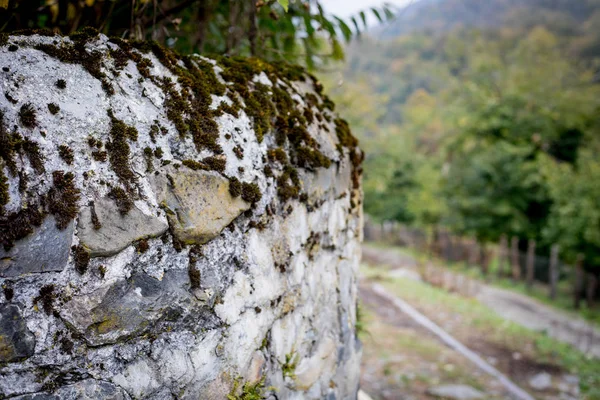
578 281
553 270
592 285
483 260
530 262
502 256
514 258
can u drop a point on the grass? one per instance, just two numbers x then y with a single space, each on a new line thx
407 361
476 320
538 291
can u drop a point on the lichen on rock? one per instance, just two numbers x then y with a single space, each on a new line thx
172 226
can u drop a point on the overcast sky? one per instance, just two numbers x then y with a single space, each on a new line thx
345 8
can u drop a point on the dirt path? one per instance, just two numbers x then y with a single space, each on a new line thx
402 359
534 315
515 391
511 306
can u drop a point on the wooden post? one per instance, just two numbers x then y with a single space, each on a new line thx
502 255
483 260
530 262
578 282
514 258
592 285
554 272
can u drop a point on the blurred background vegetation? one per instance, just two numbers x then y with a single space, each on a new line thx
483 118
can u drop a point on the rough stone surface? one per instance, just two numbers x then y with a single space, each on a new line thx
456 392
221 252
16 341
198 203
541 381
46 249
88 389
117 231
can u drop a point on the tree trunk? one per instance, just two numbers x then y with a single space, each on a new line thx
554 270
592 286
530 263
502 256
578 282
483 259
253 29
514 258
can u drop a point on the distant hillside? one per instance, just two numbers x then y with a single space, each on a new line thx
438 16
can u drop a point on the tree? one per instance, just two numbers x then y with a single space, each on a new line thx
574 221
290 30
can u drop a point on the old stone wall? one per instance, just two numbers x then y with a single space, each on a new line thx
172 227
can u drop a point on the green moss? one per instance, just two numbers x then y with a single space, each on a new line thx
95 221
148 153
251 192
18 225
142 246
8 290
248 391
4 193
63 198
32 150
153 131
66 154
342 129
235 187
119 152
238 151
207 164
46 298
12 144
92 141
100 156
27 115
193 271
288 184
122 199
309 158
215 163
10 98
82 259
278 154
144 66
289 367
53 108
77 53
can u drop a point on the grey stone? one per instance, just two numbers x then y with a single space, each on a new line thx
46 249
541 381
117 231
199 205
334 181
457 392
132 306
16 341
88 389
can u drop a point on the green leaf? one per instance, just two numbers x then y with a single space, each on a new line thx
377 14
285 4
363 17
355 22
346 31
